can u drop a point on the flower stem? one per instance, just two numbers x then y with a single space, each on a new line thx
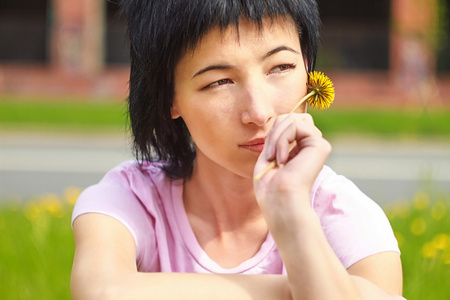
267 169
303 100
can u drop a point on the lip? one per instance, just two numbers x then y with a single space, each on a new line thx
255 145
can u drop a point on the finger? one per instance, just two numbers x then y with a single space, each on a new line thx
286 128
280 125
289 141
311 157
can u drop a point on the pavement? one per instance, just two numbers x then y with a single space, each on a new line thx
35 163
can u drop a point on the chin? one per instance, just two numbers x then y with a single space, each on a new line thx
245 170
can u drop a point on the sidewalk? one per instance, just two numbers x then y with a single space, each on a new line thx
385 169
389 170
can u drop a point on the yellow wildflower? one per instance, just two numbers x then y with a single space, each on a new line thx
52 204
418 226
421 201
32 210
438 210
401 208
71 194
321 90
428 251
441 241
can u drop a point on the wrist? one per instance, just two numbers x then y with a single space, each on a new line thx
287 214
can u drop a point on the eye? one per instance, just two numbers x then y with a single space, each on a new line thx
282 68
219 82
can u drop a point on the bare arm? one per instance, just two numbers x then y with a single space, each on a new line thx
378 273
314 271
105 259
105 268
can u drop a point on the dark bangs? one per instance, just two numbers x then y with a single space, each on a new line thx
160 32
202 15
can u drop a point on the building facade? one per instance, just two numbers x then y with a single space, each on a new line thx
384 51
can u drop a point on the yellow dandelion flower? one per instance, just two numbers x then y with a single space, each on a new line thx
52 204
438 210
401 208
428 251
320 91
418 226
441 241
71 194
421 201
32 210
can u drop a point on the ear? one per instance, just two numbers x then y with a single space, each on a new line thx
174 112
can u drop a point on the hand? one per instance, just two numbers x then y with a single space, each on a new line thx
297 168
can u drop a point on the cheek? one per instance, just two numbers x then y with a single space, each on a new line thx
207 121
299 90
288 96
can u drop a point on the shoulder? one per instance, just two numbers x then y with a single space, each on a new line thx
133 178
127 186
133 194
132 173
332 189
355 225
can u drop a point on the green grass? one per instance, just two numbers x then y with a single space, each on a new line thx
36 246
387 123
110 115
66 114
422 228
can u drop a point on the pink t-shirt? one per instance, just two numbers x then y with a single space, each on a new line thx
150 205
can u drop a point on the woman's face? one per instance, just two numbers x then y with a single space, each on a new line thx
231 88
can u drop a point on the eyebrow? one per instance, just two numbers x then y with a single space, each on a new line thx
213 67
225 67
279 49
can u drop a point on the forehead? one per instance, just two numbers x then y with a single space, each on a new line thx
270 30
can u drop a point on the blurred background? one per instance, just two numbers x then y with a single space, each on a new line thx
63 124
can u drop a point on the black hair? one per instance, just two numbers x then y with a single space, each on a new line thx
160 32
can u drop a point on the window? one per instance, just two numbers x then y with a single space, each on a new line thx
117 51
355 34
23 30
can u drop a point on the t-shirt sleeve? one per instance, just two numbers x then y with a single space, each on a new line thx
113 196
355 226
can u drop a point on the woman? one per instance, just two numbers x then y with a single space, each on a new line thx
211 86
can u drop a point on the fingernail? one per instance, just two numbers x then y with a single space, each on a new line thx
278 159
269 153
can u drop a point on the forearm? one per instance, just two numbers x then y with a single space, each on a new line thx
283 194
186 286
314 272
104 267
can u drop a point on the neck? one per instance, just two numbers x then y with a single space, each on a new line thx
220 197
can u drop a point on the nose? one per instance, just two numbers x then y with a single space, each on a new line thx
257 105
